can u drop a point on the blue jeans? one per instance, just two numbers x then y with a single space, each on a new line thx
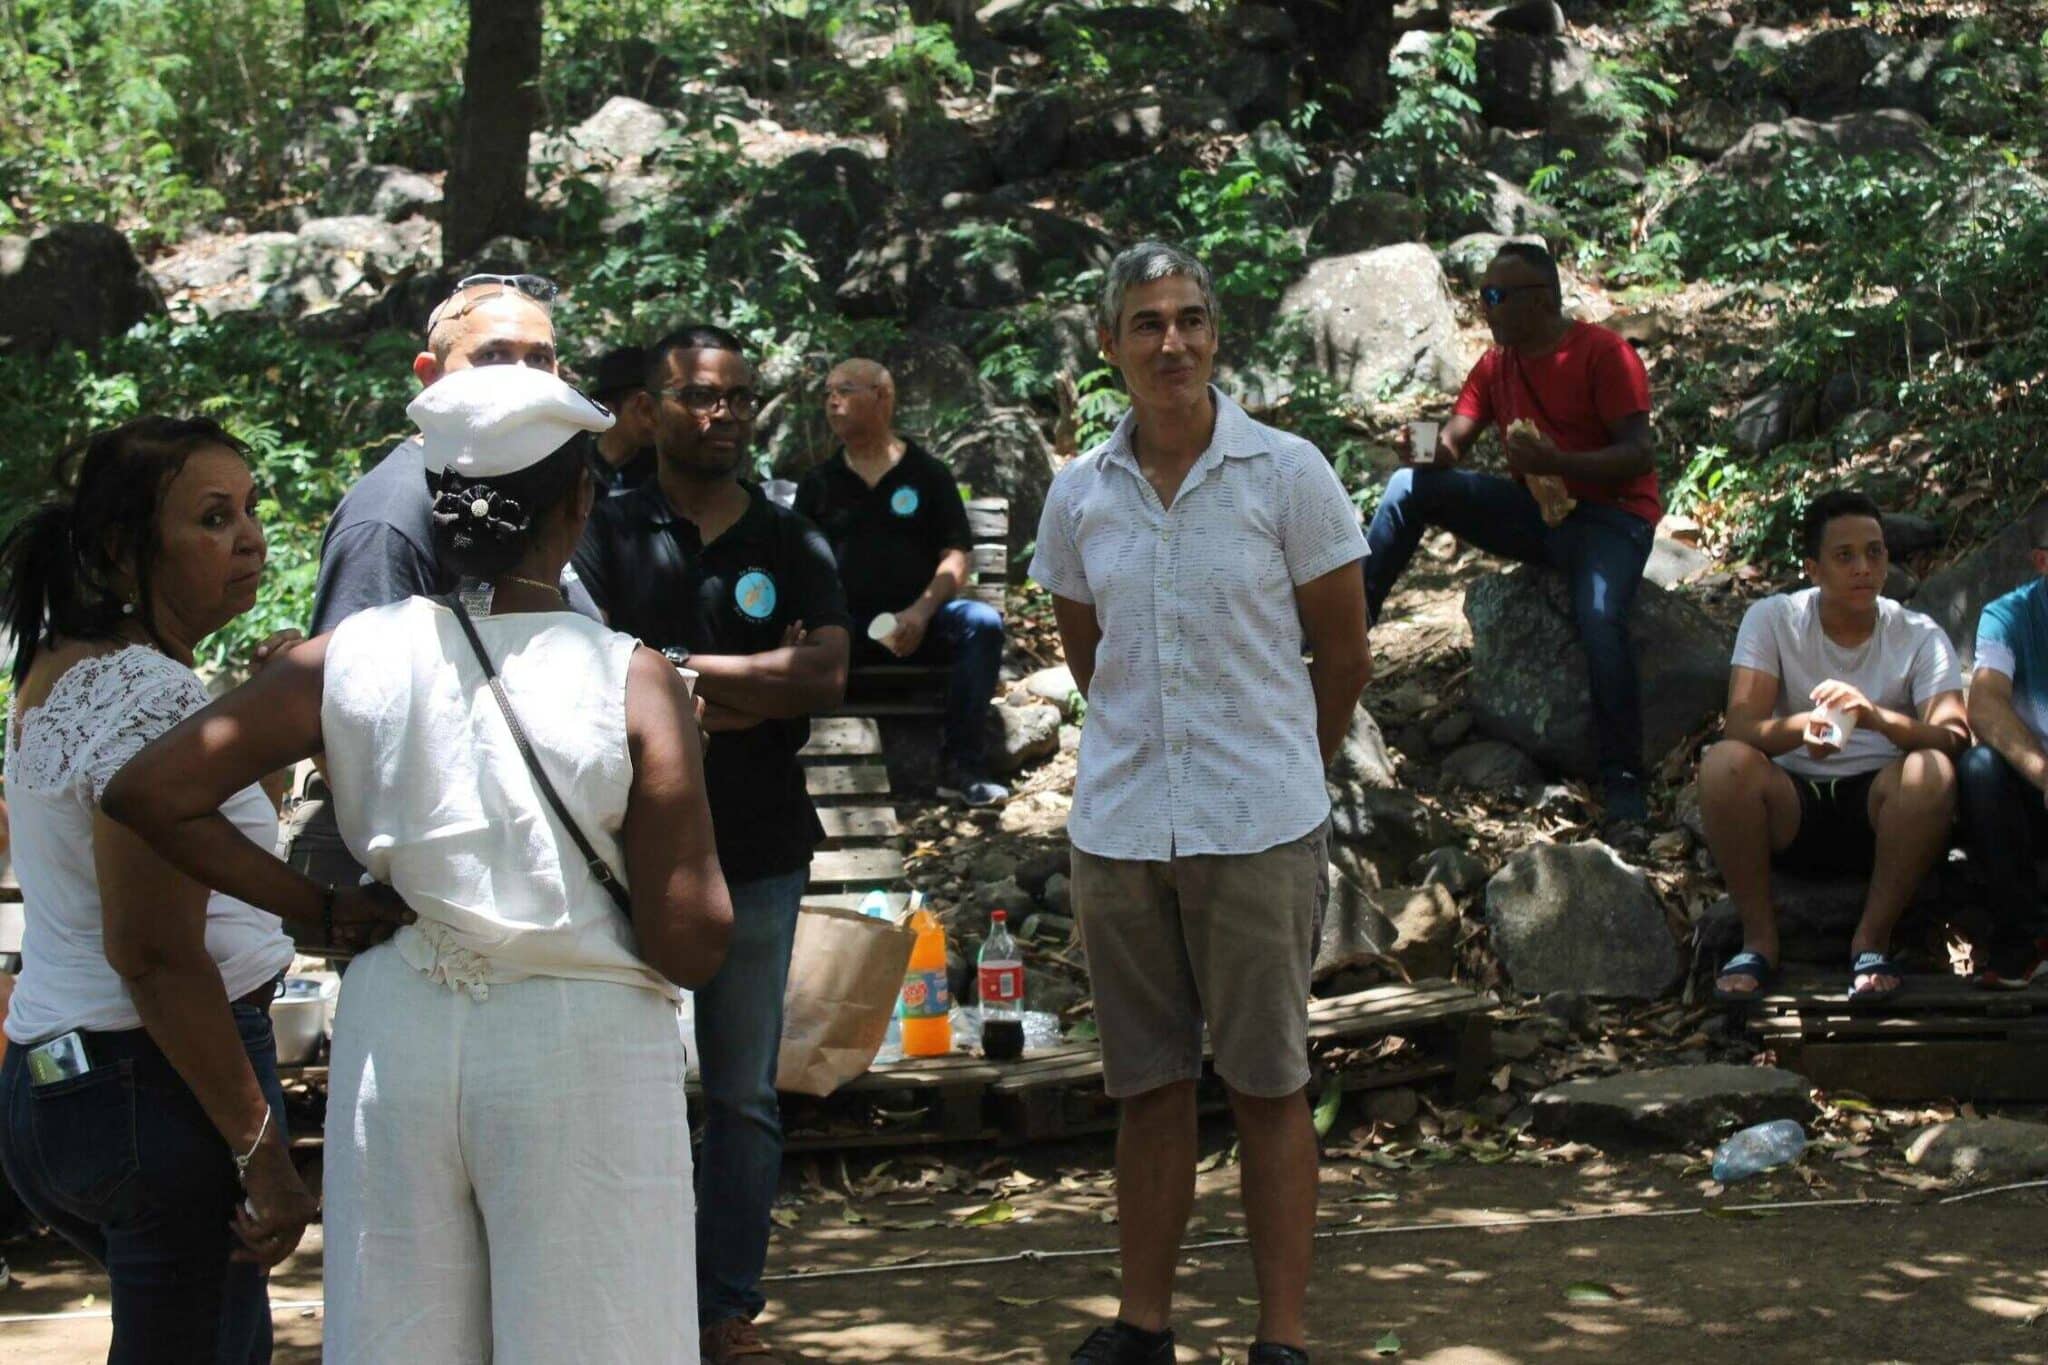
124 1164
739 1034
968 635
2005 827
1600 550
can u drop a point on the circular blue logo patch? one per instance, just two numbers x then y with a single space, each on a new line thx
903 502
754 595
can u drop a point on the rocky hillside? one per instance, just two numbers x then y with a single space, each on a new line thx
1821 223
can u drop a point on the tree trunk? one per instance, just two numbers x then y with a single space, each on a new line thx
486 194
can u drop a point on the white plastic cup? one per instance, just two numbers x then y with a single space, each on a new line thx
689 677
882 627
1832 726
1422 441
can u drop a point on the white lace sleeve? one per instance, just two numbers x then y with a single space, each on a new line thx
136 704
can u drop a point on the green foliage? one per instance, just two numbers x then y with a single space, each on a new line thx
1428 125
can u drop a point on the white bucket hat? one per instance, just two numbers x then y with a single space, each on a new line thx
495 420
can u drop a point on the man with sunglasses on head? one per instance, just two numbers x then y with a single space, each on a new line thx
1572 401
379 545
705 567
899 529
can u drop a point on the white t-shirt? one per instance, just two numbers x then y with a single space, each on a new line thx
60 757
1907 660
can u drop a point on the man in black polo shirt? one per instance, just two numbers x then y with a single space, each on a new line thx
620 383
697 563
899 530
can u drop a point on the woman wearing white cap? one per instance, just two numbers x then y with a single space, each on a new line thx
507 1151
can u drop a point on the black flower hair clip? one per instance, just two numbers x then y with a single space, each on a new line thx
478 507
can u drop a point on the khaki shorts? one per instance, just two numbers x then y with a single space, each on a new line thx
1226 938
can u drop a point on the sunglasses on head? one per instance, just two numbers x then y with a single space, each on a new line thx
539 288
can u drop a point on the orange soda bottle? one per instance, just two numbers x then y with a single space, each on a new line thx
926 1007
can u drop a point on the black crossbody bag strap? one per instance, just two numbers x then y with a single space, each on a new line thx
599 868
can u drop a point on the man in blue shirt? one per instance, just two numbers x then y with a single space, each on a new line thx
2004 777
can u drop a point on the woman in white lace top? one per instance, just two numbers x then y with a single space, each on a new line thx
140 1114
508 1155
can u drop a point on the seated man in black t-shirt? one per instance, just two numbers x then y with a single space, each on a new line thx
899 530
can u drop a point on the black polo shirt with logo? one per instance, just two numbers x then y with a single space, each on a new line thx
656 579
888 538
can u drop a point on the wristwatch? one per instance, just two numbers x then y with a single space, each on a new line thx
677 655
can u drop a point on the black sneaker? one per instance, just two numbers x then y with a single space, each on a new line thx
1122 1344
960 785
1273 1353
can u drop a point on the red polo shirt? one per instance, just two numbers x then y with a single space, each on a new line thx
1576 395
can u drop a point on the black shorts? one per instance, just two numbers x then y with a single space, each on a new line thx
1835 834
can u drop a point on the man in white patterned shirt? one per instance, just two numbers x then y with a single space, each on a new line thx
1193 557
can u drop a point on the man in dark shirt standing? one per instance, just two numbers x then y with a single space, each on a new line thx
899 530
620 383
379 545
707 569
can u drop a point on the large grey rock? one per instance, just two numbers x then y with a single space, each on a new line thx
1020 734
934 157
1526 81
974 257
1904 78
1490 765
1983 1149
1380 320
1425 921
70 284
1470 200
226 274
827 197
1896 134
1455 870
1820 71
1575 917
1362 761
1386 826
1031 139
1956 596
1707 128
1354 931
1138 125
1538 18
1529 683
340 261
1681 1106
1261 28
623 135
1672 562
1054 685
1368 219
388 192
1255 86
1766 421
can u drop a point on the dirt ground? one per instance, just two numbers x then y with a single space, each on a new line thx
1911 1280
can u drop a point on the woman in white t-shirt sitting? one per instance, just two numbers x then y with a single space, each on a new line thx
140 1093
508 1156
1845 718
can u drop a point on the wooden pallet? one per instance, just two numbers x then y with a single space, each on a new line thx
846 777
1056 1092
920 689
1939 1038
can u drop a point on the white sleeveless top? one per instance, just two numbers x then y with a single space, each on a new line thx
433 798
60 757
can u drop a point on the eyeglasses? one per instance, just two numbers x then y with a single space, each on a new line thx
1494 295
539 288
705 401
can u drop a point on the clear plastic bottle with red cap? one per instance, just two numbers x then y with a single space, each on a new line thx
1001 988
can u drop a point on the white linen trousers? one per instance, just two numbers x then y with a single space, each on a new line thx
507 1177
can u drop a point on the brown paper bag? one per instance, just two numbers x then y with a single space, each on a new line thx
844 976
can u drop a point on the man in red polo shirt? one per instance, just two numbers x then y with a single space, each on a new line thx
1571 402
